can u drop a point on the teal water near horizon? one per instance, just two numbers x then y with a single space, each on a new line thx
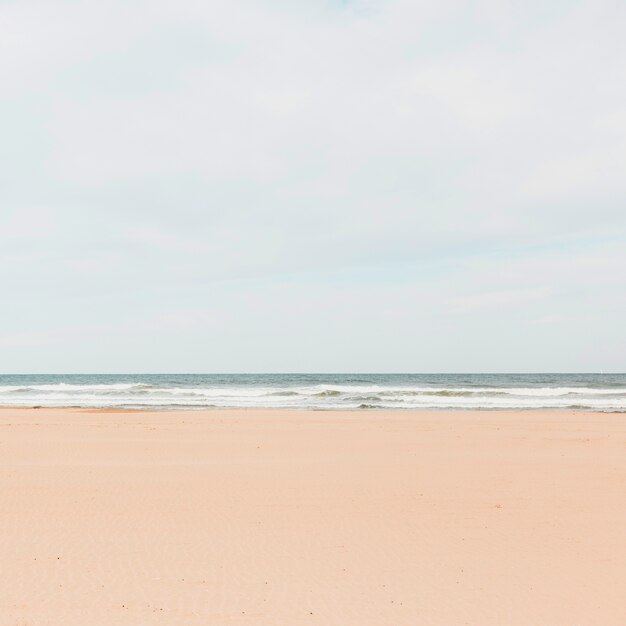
599 392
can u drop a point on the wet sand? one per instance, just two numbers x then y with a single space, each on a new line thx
305 517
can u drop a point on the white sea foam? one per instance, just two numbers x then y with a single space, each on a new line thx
319 396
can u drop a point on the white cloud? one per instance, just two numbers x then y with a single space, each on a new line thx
196 151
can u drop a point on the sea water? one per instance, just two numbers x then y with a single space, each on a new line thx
598 392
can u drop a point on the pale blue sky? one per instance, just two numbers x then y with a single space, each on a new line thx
313 186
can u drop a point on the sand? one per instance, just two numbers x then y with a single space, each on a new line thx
313 518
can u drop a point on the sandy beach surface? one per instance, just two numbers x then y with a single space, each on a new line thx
313 518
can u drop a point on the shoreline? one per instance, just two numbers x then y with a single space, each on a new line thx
303 517
379 392
305 410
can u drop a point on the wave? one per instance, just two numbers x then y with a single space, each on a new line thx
76 387
183 393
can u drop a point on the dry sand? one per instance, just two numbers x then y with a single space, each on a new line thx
313 518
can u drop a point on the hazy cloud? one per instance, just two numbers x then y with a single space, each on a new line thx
391 185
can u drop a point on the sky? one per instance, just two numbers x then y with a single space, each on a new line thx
312 186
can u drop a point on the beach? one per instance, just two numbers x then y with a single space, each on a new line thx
290 517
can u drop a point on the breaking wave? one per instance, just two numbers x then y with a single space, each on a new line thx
572 392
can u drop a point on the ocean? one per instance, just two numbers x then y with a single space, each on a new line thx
598 392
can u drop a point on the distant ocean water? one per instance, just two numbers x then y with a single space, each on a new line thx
599 392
